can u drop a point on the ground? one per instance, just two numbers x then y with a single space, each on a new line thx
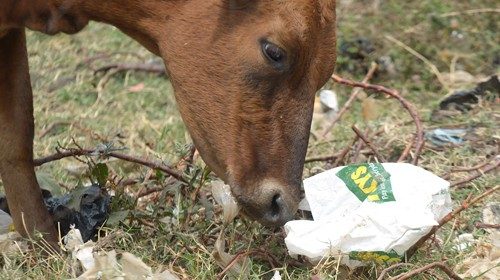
75 105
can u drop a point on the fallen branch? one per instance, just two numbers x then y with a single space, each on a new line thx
368 143
102 153
465 205
419 140
354 94
486 226
478 174
440 265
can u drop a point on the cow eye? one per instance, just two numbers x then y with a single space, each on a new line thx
273 53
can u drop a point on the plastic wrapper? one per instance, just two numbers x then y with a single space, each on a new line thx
87 208
368 212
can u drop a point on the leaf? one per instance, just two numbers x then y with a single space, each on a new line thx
370 109
116 217
136 88
223 196
100 173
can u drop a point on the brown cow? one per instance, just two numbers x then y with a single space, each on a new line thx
245 73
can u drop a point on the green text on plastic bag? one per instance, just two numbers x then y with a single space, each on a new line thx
377 257
368 181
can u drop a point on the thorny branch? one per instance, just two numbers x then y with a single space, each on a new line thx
419 140
96 152
348 103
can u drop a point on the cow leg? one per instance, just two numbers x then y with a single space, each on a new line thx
16 140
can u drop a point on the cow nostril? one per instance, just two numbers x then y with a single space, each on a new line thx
276 205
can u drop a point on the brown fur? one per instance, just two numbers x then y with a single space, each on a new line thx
249 121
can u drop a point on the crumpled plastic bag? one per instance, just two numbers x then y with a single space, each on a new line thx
85 207
442 136
368 212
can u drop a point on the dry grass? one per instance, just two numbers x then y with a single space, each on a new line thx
72 104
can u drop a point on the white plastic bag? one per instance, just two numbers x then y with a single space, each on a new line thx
368 212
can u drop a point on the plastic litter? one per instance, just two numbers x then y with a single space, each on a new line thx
87 208
368 212
463 99
328 99
443 136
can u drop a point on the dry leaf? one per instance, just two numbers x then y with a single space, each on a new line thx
370 109
223 196
137 88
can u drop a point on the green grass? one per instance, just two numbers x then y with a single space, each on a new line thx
147 124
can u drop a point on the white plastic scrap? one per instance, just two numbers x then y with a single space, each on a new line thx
80 251
276 276
369 212
328 99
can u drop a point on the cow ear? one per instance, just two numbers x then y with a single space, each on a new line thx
237 4
327 10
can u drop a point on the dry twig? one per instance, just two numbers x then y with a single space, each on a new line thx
419 137
478 174
158 68
483 225
344 152
368 143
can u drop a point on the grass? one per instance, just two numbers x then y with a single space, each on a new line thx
69 108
